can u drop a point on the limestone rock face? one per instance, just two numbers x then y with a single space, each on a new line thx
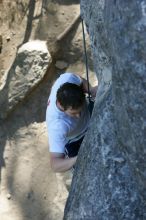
28 69
109 182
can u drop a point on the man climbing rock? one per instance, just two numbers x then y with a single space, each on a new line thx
67 118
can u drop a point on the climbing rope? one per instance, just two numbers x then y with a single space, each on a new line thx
86 60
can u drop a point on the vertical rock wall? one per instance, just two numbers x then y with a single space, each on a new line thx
109 182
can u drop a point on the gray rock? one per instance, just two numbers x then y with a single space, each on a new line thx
61 64
9 196
109 179
28 69
8 38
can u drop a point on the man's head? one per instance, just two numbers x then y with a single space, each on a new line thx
71 98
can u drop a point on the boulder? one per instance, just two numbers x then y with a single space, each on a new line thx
60 64
29 67
109 181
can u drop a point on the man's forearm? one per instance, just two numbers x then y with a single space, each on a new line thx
62 164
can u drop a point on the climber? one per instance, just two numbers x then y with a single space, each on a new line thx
67 118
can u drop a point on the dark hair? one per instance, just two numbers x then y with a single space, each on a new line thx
70 95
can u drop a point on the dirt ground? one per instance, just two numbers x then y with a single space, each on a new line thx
29 190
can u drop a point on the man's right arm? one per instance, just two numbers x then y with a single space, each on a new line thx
61 164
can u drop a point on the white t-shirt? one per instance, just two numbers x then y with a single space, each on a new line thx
63 128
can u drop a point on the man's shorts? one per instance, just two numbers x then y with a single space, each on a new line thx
71 149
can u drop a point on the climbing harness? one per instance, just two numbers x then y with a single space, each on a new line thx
86 60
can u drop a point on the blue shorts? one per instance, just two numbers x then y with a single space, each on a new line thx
71 149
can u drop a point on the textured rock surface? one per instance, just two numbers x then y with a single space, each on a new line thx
109 182
27 71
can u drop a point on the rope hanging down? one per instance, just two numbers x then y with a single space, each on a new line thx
86 61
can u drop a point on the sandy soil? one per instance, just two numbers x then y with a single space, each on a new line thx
29 190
